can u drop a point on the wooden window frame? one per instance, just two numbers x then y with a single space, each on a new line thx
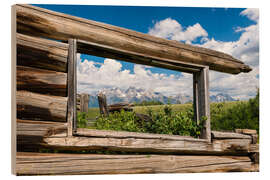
200 73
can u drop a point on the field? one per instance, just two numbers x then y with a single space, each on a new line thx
224 116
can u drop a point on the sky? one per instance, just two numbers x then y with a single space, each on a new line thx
234 31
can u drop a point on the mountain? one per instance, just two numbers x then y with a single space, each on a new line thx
133 94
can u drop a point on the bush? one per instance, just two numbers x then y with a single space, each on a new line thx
163 122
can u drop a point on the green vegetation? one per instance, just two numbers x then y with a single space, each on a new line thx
177 118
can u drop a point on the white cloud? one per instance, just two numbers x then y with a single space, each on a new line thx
92 77
95 76
171 29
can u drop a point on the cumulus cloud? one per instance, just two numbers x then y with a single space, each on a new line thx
171 29
92 77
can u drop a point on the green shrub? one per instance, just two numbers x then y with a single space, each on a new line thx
82 119
163 122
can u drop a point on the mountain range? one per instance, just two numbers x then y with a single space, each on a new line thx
133 94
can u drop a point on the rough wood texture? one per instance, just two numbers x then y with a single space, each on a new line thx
72 94
202 102
228 135
102 102
82 102
41 107
41 81
30 133
41 22
86 139
41 53
246 131
58 164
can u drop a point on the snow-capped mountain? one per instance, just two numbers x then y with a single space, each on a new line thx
133 94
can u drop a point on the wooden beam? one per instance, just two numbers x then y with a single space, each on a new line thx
72 94
103 107
87 139
201 101
41 81
228 135
30 133
41 107
41 53
41 22
67 164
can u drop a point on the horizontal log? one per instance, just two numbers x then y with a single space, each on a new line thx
228 135
41 81
30 133
86 139
67 164
246 131
41 22
41 53
41 107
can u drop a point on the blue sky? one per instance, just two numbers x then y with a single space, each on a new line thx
231 30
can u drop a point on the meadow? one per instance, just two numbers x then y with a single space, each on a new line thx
177 118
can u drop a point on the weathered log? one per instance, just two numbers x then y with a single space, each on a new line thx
86 139
41 81
102 101
41 53
41 107
228 135
30 133
246 131
82 102
67 164
41 22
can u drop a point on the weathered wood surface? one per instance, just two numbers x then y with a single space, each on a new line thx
67 164
72 83
228 135
120 106
246 131
102 102
30 133
202 101
41 22
82 102
41 81
87 139
41 107
41 53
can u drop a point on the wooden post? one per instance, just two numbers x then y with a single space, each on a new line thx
103 104
71 113
201 101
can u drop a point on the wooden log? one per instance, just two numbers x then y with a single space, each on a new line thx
41 53
41 22
202 102
246 131
87 139
82 102
41 107
72 83
67 164
41 81
103 104
30 133
228 135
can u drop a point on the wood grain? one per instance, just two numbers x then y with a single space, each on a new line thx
41 107
67 164
41 81
41 22
41 53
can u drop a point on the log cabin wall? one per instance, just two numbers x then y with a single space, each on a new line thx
46 44
41 96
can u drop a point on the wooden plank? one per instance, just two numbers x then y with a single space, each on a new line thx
41 53
202 103
30 133
196 99
41 107
103 108
228 135
41 22
246 131
72 94
41 81
67 164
